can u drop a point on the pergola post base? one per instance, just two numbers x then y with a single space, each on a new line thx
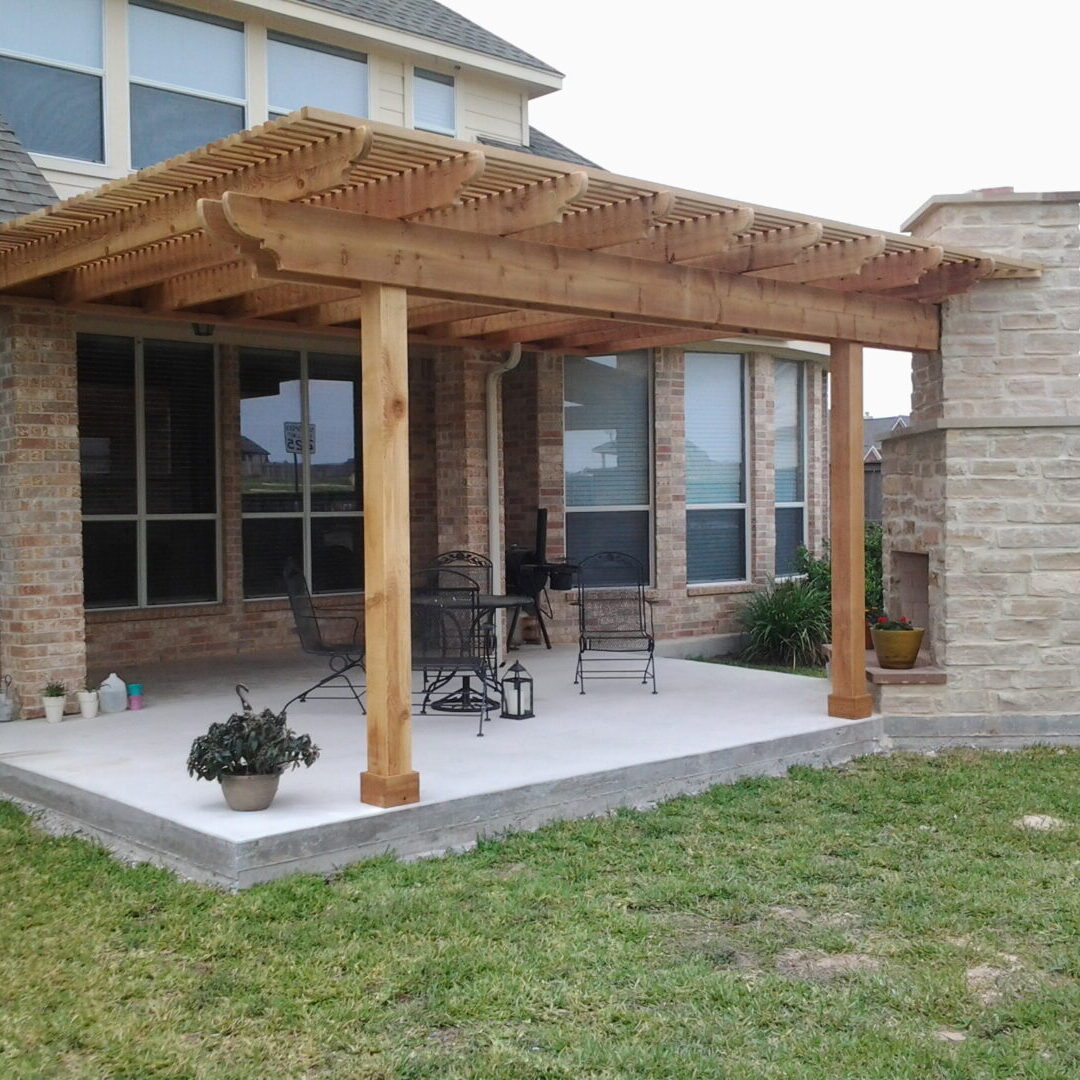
386 791
857 707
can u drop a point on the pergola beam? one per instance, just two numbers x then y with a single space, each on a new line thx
946 280
295 173
413 192
509 211
757 251
889 271
302 243
827 260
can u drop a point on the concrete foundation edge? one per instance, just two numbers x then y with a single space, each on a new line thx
1004 732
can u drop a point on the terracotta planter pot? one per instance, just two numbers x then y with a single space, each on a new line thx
249 792
897 648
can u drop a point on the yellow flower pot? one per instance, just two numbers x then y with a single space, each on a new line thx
897 648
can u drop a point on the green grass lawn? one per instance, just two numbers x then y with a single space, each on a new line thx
883 921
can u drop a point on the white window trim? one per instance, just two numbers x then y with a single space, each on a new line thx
305 514
745 504
141 517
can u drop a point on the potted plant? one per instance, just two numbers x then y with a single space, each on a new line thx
247 754
88 702
896 641
53 700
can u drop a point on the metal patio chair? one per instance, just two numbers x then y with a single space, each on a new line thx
477 568
336 637
615 627
451 636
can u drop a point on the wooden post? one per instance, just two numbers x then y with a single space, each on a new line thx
389 779
849 698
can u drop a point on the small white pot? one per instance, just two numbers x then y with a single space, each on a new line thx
54 708
88 703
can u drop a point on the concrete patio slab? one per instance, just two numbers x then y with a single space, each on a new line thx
120 779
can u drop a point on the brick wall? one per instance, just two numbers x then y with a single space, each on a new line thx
41 618
987 484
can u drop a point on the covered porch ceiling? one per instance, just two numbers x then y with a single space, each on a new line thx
494 246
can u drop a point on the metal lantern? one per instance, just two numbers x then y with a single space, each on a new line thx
517 693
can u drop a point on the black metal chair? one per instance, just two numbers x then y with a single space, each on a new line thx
336 637
470 563
451 640
477 568
614 620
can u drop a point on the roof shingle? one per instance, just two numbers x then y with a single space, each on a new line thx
544 146
432 20
22 187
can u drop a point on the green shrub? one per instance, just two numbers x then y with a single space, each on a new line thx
818 571
787 623
875 588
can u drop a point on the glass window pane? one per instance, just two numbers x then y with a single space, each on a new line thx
106 373
789 536
789 431
181 561
271 474
606 430
51 110
613 530
110 564
65 30
714 428
164 123
305 73
433 102
337 554
193 53
333 409
180 443
715 545
268 544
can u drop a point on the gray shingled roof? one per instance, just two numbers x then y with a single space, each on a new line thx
432 20
22 187
545 146
875 428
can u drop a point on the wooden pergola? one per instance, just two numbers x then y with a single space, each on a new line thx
320 221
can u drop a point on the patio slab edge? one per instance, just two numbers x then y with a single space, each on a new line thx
423 829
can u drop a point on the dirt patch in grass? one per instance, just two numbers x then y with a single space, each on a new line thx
800 965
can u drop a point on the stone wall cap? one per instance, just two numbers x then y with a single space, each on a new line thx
974 423
984 196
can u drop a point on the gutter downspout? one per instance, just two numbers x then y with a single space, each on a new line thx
495 546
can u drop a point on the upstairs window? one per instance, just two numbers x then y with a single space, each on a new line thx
51 75
715 469
790 459
187 80
433 102
607 455
310 73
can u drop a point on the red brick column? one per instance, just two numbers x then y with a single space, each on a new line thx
461 450
761 468
673 607
817 459
41 582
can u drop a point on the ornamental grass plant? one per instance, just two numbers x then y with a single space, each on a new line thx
786 623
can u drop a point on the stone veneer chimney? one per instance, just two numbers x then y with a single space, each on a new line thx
982 495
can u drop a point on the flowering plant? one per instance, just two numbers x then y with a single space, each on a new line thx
883 622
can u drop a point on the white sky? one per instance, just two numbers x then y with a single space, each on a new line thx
856 111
